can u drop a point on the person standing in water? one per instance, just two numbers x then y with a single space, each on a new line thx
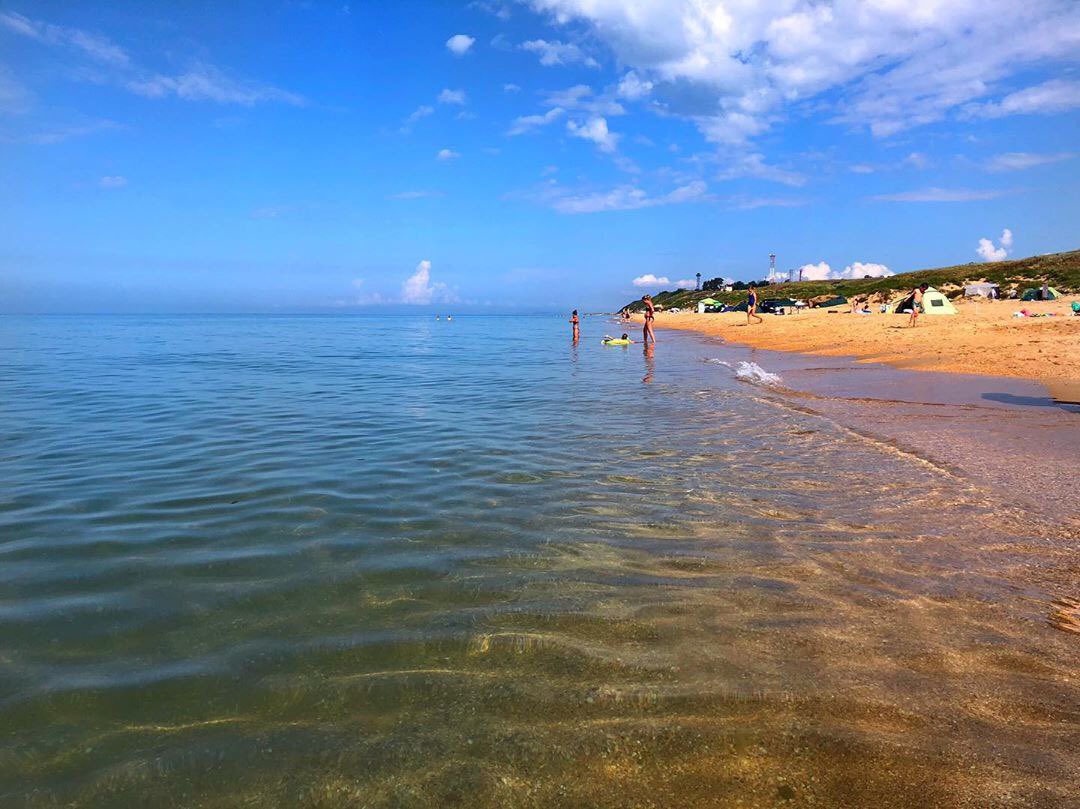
650 316
751 306
916 303
576 324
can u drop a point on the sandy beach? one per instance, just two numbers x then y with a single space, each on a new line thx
983 338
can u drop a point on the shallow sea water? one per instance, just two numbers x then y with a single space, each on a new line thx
400 562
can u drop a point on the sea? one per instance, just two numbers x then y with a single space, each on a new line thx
381 561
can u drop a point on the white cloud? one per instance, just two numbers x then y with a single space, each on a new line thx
581 97
886 65
815 272
528 123
988 252
631 87
207 83
621 198
407 195
15 99
650 280
96 47
735 165
48 137
423 111
510 87
201 82
447 154
916 160
596 130
860 270
1056 95
452 97
751 203
823 272
459 44
419 289
558 53
1018 161
940 195
686 283
112 181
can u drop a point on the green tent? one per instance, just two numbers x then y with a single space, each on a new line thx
709 301
1036 294
839 300
934 303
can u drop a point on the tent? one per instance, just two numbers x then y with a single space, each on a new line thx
934 303
839 300
1036 294
773 305
981 290
706 302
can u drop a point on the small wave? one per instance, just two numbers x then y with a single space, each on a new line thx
750 372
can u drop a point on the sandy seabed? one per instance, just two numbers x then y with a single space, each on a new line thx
983 338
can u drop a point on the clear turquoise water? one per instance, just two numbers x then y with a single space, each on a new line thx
338 561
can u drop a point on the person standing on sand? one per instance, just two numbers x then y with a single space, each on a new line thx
576 324
916 303
751 306
650 316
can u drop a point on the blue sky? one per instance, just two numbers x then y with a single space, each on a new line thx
509 156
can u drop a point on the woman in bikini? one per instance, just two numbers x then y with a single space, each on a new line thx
650 316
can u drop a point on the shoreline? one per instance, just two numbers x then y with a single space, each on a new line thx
984 339
1005 435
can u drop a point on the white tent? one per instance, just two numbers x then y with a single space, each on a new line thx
981 290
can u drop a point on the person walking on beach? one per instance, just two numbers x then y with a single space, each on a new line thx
751 306
916 303
576 324
650 316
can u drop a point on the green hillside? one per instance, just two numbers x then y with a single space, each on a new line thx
1060 270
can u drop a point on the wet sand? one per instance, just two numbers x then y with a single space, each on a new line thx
984 338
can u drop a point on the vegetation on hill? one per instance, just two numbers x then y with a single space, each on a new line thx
1060 270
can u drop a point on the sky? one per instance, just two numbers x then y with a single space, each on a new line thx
520 155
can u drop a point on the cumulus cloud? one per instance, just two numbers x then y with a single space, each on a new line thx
596 130
112 181
558 53
686 283
452 97
447 154
883 65
510 87
419 289
1018 161
631 87
650 280
858 269
459 44
987 251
